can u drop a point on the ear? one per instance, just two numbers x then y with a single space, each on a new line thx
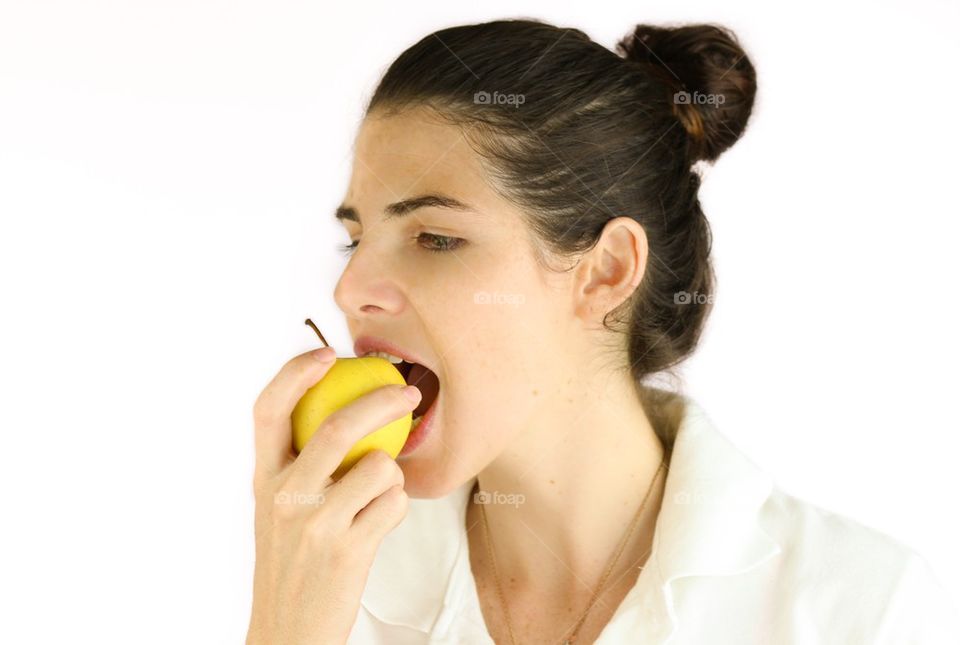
610 272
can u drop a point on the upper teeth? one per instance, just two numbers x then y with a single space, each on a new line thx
390 357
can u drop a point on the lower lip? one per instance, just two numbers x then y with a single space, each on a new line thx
420 433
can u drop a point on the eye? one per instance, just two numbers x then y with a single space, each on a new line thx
429 241
440 243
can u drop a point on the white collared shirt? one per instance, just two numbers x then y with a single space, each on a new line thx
735 560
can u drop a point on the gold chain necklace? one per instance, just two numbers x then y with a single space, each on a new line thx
603 579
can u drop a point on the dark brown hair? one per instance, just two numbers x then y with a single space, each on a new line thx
576 134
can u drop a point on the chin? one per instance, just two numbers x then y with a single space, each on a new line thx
423 479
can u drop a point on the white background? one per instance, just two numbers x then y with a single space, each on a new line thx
168 173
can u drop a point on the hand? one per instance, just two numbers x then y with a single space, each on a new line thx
315 538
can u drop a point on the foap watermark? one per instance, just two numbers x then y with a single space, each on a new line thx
498 98
496 497
303 499
688 497
497 298
698 98
695 298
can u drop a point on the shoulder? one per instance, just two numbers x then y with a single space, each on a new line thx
843 572
817 541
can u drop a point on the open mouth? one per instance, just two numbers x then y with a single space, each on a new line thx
425 380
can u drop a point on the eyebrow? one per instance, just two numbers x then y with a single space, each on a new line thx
407 206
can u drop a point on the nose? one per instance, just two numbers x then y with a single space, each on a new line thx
365 288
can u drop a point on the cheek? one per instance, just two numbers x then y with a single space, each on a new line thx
497 381
502 351
495 324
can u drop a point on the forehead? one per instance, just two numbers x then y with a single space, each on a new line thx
414 152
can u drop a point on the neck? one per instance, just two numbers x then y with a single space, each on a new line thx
562 496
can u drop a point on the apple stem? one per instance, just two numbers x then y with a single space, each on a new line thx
322 339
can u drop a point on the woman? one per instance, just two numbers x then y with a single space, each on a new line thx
526 230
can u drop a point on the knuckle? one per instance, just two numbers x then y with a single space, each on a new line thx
396 500
262 476
378 459
258 413
263 410
381 466
302 364
291 363
399 496
335 428
283 507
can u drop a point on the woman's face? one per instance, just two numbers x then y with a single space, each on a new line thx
481 313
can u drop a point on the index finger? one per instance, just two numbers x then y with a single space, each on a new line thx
273 429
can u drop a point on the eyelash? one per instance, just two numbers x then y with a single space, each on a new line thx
447 244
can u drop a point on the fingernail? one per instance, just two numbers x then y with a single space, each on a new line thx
412 393
324 354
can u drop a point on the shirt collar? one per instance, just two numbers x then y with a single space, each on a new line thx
708 523
707 526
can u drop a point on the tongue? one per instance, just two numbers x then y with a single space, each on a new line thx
428 384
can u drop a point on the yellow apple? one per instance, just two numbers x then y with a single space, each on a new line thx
344 382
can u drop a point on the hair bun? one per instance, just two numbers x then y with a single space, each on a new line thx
711 81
